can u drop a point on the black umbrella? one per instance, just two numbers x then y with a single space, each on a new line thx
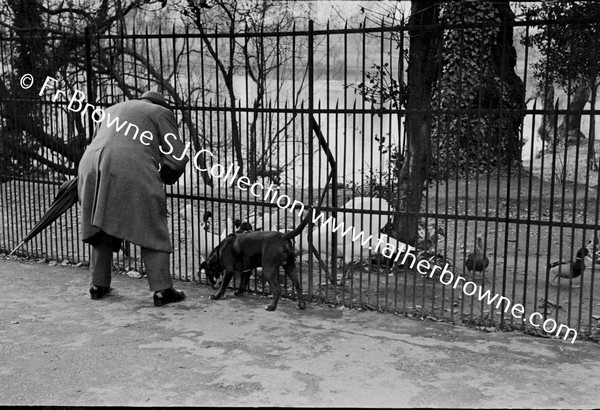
65 199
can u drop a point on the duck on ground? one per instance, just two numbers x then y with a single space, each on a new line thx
477 261
569 269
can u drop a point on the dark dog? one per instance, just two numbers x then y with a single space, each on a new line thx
241 252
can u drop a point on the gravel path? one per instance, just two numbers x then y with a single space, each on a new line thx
59 347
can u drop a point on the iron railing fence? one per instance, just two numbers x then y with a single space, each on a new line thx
259 116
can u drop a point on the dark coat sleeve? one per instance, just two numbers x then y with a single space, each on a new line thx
173 150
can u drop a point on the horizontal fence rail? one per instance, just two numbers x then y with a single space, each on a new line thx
288 110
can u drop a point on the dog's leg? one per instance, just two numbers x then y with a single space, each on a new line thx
244 280
224 284
347 271
272 276
291 272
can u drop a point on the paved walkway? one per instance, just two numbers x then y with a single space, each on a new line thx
59 347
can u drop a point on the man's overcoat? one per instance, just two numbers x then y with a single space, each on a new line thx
120 188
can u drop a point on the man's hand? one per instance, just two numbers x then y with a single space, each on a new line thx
167 175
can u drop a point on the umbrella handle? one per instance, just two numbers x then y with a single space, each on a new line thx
18 246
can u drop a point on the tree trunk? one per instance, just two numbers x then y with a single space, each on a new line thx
422 73
235 128
252 143
478 73
512 88
569 131
546 129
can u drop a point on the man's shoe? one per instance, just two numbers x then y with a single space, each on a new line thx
96 292
162 297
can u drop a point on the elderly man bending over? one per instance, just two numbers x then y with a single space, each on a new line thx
136 149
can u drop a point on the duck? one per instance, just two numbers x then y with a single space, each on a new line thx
431 238
428 247
203 238
267 222
206 223
594 252
569 269
229 227
243 227
235 226
477 261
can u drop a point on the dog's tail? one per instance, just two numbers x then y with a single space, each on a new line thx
296 231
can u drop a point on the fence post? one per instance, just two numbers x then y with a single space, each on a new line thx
88 75
311 89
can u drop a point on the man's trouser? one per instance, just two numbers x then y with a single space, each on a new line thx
156 263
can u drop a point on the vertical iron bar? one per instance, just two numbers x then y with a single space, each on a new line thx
362 139
508 194
551 219
591 151
527 225
311 90
334 198
402 152
563 181
89 78
345 142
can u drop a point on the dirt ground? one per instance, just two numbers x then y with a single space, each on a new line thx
59 347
